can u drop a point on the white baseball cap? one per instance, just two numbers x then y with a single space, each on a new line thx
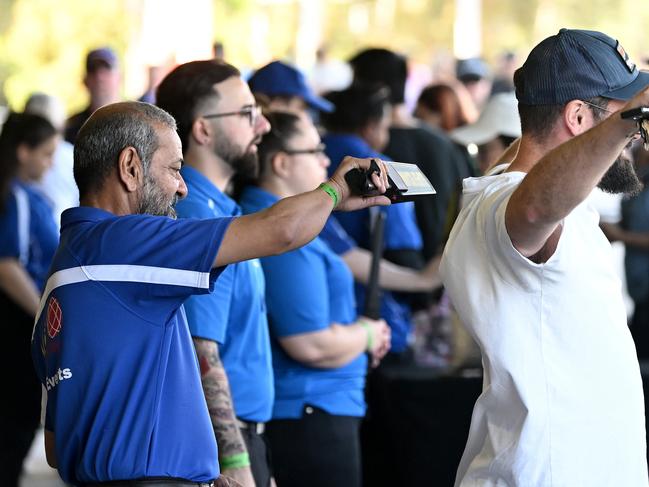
499 117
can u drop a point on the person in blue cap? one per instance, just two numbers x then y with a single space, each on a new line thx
102 80
229 326
111 344
286 88
531 276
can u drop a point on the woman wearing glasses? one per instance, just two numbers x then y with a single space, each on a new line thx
319 343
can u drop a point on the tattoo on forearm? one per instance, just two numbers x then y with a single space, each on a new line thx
219 400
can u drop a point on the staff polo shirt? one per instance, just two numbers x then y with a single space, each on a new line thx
308 289
28 231
234 315
112 348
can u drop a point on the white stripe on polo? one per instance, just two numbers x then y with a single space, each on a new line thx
124 273
22 214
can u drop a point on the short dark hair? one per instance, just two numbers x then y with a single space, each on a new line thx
19 129
356 107
108 132
538 120
382 66
183 91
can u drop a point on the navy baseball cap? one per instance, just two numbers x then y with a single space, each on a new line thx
103 57
471 69
281 79
577 64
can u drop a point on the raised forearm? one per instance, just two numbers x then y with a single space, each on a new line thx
219 399
561 180
16 283
288 224
295 221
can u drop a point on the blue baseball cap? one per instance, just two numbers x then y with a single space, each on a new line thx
577 64
471 69
103 57
281 79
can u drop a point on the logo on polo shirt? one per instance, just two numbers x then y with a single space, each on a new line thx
54 317
60 375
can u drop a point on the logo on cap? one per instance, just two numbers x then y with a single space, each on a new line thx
625 57
54 317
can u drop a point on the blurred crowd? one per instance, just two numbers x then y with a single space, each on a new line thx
289 334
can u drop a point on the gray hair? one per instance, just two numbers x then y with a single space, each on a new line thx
109 131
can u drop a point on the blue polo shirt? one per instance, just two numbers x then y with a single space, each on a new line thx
28 231
401 232
336 237
307 290
112 347
234 315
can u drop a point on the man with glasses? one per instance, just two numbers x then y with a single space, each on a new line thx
531 274
220 125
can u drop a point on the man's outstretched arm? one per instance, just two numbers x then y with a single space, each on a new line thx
295 221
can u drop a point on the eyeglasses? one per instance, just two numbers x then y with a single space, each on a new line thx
252 112
317 150
597 106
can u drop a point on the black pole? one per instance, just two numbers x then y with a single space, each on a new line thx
372 308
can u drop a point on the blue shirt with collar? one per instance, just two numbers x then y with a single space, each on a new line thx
308 289
28 231
112 347
234 315
401 232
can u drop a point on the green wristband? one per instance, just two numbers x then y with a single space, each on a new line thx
329 189
370 334
238 460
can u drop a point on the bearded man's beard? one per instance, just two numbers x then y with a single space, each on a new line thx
153 201
245 164
621 178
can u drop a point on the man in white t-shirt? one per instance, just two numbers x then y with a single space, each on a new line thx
532 277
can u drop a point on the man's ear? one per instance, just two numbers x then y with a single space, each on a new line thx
201 132
130 169
281 165
574 116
